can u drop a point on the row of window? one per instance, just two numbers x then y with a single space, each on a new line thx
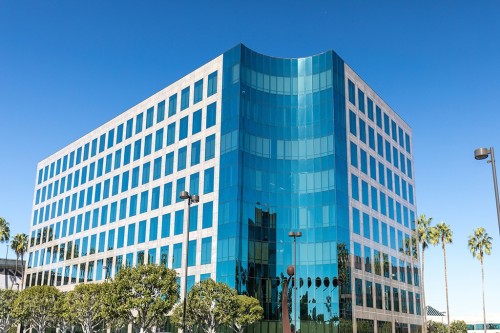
99 145
103 268
379 145
379 264
133 152
378 201
381 233
389 125
380 297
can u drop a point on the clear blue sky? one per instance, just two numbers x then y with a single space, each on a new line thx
67 67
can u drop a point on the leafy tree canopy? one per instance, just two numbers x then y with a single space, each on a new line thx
7 298
458 326
248 312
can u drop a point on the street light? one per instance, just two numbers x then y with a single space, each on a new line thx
295 235
191 199
481 154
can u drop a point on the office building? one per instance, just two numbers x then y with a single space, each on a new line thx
270 146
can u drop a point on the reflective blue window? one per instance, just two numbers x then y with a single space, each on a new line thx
133 206
111 138
147 144
157 168
362 130
131 234
155 198
368 259
351 91
198 91
193 218
153 229
150 116
195 152
183 128
172 105
179 222
129 129
210 147
364 193
191 253
116 184
387 128
356 226
363 161
206 250
119 133
212 84
159 139
118 159
126 154
383 229
181 186
361 100
111 239
378 117
354 154
383 208
208 185
194 183
93 244
352 122
185 98
394 131
104 214
137 150
105 191
171 134
112 212
373 168
135 177
376 231
389 179
167 194
121 237
125 179
85 244
160 112
181 158
102 146
369 104
392 234
152 256
144 201
177 256
169 163
146 174
164 256
366 226
123 208
211 115
142 232
138 123
354 187
102 241
165 225
196 122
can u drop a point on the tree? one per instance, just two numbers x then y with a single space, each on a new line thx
442 233
38 307
248 312
4 236
435 327
87 305
19 245
423 238
479 245
459 326
7 298
210 305
143 296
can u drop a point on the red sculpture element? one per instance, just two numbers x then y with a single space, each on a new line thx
284 308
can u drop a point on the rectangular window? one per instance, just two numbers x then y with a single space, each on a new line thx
358 258
150 116
364 193
179 222
195 152
211 115
181 186
177 256
137 150
351 89
361 100
183 128
181 158
368 259
352 123
198 91
207 215
378 295
167 194
196 122
194 183
206 250
131 234
208 186
147 144
164 256
212 84
102 146
119 134
143 207
146 168
358 287
159 139
356 221
111 138
116 184
135 177
142 232
118 159
165 226
354 187
210 147
133 206
354 154
129 128
123 208
185 98
126 154
160 112
193 218
191 259
172 105
138 123
125 178
369 294
155 198
171 134
370 108
121 237
153 229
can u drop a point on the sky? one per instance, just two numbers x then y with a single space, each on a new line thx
66 67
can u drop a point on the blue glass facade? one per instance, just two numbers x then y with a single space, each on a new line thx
283 167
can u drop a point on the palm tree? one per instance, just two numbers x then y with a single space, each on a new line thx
4 237
423 238
479 244
442 233
19 245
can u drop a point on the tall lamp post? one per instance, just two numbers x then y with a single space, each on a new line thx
190 199
295 235
481 154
